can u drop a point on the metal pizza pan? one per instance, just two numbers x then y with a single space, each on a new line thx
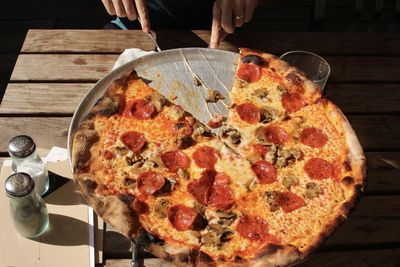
182 75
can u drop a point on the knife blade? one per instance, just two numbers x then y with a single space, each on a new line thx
154 40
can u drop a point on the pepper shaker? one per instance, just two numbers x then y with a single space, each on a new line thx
27 208
22 150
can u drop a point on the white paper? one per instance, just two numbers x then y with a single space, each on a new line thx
130 54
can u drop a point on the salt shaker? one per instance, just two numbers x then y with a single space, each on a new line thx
27 208
22 150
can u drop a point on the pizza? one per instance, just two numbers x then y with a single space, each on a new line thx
284 170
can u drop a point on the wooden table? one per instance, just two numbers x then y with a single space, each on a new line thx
57 67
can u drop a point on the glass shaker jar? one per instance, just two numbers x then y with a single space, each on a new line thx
22 150
27 208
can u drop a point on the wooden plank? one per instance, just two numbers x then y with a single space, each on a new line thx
383 172
62 67
77 67
374 222
43 98
106 41
40 97
79 41
359 258
47 132
356 98
375 132
363 69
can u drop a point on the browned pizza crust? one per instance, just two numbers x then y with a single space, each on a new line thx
111 103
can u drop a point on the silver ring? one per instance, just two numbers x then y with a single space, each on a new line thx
239 17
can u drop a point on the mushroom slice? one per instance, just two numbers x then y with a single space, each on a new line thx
210 238
261 93
184 174
232 135
161 207
288 156
177 112
270 198
290 180
157 100
213 96
267 114
313 190
199 131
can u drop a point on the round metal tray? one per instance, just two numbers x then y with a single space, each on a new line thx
171 72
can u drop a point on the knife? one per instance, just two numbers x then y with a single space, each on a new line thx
150 34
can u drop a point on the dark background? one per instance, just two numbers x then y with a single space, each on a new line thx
17 16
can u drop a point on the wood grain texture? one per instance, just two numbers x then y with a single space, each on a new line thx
50 98
82 41
369 224
86 67
47 132
356 98
359 258
43 98
62 67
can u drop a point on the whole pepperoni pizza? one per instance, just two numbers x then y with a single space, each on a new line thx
284 171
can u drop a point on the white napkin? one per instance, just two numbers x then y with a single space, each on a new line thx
130 54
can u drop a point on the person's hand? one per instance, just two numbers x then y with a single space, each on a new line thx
227 16
133 9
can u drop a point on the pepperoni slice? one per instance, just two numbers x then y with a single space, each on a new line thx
275 134
205 157
293 102
142 109
198 188
139 206
175 160
182 217
260 149
317 168
133 140
265 172
221 179
289 201
313 137
108 154
219 196
248 112
253 228
150 182
249 72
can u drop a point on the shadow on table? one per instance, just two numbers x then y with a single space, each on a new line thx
66 231
166 40
62 191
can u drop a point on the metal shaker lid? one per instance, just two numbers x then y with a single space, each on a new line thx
21 146
19 184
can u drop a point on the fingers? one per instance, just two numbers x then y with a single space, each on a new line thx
109 7
130 9
119 8
249 9
216 28
238 13
227 19
143 14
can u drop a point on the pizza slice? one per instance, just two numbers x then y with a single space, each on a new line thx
130 125
266 89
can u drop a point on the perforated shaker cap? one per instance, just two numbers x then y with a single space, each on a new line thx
19 184
21 146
